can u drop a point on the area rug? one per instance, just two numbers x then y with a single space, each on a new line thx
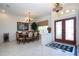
60 46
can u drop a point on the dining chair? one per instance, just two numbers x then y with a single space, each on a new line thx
29 37
20 38
36 35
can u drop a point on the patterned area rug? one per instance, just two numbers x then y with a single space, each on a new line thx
60 46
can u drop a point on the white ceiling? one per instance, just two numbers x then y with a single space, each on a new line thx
37 9
21 9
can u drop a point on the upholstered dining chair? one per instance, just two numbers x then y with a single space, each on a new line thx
24 32
36 35
19 37
30 36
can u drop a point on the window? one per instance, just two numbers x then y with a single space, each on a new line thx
69 32
59 30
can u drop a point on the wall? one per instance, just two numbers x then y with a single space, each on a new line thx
77 28
8 25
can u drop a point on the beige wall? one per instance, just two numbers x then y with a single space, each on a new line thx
7 25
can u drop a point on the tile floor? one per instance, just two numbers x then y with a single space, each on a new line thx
30 49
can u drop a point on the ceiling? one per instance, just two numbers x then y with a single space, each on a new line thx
36 9
21 9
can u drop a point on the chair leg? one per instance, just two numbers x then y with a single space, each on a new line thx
24 41
19 41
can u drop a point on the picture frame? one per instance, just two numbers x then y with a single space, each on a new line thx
21 26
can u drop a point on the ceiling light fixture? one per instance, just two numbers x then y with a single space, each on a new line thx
57 7
67 11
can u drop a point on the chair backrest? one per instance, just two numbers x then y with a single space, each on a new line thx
30 34
19 31
35 34
24 32
17 35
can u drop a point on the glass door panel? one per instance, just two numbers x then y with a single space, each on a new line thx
59 30
69 30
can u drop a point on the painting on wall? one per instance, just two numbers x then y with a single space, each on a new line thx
21 26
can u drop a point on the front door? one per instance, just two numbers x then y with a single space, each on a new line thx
65 30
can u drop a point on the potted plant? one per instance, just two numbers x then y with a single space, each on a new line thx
34 26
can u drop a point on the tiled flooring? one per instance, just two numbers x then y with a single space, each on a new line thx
29 49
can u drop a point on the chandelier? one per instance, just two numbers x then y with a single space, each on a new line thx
28 18
57 7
